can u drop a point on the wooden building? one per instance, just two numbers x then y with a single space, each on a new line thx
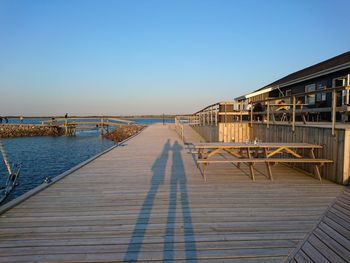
316 94
331 73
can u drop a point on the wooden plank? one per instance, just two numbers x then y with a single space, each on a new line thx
336 245
313 253
326 252
301 257
339 228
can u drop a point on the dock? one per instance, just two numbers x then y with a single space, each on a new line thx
145 200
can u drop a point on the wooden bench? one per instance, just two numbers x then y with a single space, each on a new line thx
268 161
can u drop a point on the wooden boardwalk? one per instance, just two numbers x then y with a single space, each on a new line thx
330 239
147 201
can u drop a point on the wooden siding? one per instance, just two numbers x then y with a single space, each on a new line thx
209 133
225 132
238 132
334 147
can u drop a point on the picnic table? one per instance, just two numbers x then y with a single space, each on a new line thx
251 153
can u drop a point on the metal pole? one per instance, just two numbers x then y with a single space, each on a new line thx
5 158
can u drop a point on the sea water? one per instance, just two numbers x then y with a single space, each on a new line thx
47 156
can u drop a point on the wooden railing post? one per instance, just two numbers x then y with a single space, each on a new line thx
293 114
334 107
241 111
268 115
66 126
251 115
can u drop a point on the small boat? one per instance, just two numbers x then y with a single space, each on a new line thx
11 183
12 176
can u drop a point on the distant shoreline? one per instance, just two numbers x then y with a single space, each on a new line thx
98 116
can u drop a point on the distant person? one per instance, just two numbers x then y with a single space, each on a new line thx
0 119
21 119
66 116
249 106
6 120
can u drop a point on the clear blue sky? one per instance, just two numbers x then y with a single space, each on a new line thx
149 57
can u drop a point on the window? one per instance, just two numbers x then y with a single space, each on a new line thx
288 93
310 98
343 95
321 96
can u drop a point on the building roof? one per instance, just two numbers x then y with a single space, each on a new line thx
330 65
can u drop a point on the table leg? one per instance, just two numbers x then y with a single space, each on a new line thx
268 166
200 155
316 166
239 164
251 165
203 172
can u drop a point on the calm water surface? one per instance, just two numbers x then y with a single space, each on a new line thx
51 156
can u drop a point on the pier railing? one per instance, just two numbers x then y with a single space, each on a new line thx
70 124
295 109
179 125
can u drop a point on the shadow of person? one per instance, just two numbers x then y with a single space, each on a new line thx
158 169
178 190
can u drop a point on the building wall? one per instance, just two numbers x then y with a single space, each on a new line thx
327 80
224 132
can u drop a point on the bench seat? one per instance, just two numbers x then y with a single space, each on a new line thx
268 161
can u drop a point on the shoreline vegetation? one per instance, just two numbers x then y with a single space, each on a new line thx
29 130
124 132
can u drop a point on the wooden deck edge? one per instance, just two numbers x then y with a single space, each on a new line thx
59 177
295 251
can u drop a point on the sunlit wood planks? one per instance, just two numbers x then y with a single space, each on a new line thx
147 201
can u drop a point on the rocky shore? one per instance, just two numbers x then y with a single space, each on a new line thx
28 130
122 133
